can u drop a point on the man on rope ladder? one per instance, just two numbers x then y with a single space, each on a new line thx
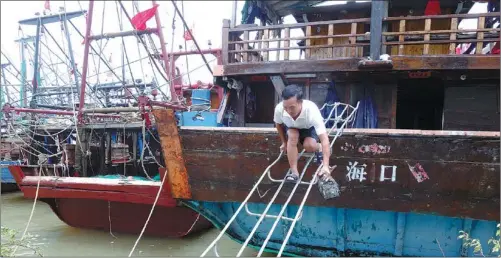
299 121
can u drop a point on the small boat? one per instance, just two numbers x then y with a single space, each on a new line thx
120 205
10 155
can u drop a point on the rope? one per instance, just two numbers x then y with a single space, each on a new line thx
33 207
149 216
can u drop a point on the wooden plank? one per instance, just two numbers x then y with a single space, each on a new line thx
451 196
287 43
225 40
433 148
455 30
308 43
353 40
480 35
246 47
265 53
401 37
277 53
303 38
302 25
427 27
471 190
445 41
330 41
464 62
454 26
444 16
172 152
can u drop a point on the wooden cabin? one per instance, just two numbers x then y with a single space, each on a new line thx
421 67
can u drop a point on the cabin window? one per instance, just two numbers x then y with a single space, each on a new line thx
420 104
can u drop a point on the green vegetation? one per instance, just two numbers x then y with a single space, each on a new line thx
477 246
10 243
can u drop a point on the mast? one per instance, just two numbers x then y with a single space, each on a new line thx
35 66
3 84
165 56
24 79
22 92
72 58
85 60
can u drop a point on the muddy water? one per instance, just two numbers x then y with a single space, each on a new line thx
55 238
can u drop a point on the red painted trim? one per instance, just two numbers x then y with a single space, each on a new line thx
133 191
49 192
18 174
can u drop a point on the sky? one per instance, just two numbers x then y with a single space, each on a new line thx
204 17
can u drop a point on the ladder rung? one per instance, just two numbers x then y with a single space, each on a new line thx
270 216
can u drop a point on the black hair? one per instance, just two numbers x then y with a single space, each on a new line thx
292 91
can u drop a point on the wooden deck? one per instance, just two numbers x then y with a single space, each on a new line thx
412 42
400 63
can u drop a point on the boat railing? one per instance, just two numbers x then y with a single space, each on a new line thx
350 38
438 34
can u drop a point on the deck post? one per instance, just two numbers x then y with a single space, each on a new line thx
173 153
225 40
379 11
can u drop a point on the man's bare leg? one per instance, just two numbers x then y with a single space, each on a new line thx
292 153
311 145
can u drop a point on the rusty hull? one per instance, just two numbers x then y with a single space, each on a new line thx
443 173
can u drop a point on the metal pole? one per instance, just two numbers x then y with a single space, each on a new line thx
23 74
1 92
165 56
234 14
86 60
72 58
35 66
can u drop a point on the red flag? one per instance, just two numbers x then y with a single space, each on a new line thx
140 19
47 5
187 35
495 49
432 8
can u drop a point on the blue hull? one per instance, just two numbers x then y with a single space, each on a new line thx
6 176
8 182
325 231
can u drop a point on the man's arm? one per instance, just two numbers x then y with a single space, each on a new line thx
281 133
326 150
279 124
318 123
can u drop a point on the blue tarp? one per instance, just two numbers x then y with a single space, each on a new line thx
331 98
366 116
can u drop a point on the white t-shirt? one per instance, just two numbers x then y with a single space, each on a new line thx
310 116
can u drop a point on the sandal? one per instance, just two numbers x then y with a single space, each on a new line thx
291 177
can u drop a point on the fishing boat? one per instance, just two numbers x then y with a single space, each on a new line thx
95 166
412 174
414 134
10 152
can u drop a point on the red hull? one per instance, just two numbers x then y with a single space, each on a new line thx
91 203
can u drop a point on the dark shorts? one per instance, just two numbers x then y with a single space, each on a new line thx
303 133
